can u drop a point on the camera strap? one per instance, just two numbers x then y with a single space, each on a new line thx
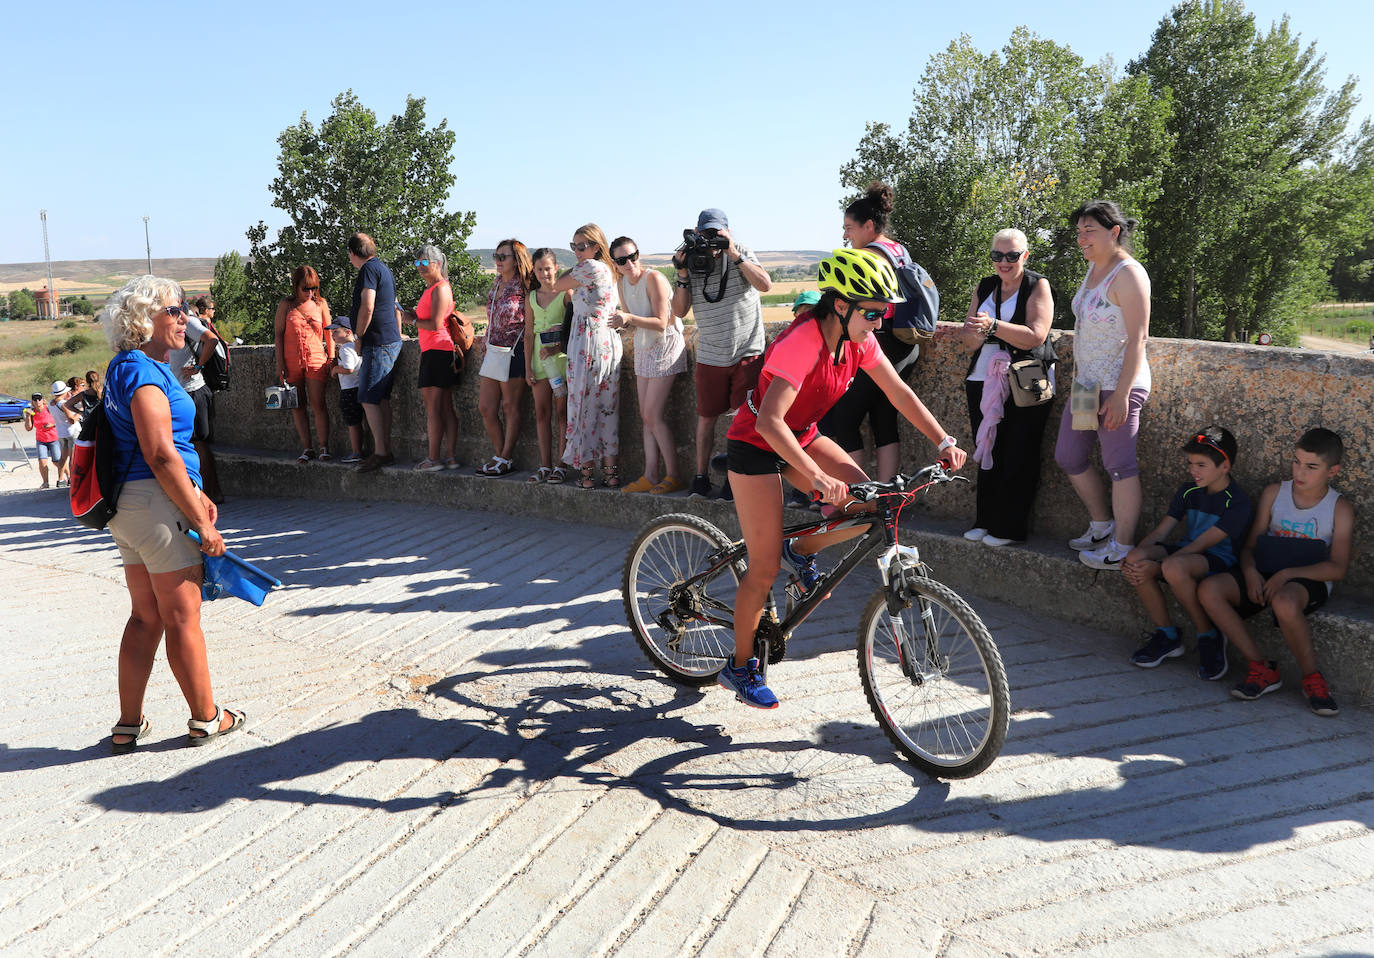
724 275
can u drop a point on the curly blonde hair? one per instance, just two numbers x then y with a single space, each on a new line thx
128 315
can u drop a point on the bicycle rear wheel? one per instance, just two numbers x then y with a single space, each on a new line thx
935 683
666 616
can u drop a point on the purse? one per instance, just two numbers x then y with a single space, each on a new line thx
1083 406
280 397
496 362
1031 383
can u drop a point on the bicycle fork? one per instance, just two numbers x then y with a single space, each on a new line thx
896 563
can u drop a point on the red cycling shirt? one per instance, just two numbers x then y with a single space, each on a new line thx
800 357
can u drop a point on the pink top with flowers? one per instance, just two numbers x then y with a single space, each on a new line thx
505 313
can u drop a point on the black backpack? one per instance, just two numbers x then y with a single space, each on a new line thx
93 487
215 369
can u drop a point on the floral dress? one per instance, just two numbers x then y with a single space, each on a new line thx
594 353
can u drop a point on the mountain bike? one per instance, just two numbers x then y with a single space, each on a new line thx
930 669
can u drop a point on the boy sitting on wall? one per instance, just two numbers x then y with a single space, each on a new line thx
1298 546
1215 513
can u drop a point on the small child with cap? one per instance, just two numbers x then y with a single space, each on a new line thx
345 368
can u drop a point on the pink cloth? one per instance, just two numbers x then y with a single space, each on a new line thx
995 390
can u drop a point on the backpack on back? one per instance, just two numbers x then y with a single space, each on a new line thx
913 321
94 489
216 367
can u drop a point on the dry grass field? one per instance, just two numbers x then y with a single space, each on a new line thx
98 278
33 353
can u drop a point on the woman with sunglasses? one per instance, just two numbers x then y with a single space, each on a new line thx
774 435
152 419
660 354
503 369
1008 319
594 354
438 370
1112 376
304 352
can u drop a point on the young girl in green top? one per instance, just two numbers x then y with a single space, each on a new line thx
546 365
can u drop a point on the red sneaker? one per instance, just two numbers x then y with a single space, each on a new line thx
1260 678
1318 694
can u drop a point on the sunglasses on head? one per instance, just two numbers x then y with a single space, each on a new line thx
999 256
627 258
1203 439
580 247
501 257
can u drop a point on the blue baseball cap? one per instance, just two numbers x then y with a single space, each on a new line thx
712 220
341 322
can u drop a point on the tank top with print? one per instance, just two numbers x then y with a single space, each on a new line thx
1099 336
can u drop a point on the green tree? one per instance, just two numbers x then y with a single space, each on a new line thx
22 304
390 180
229 290
81 306
1016 137
1263 190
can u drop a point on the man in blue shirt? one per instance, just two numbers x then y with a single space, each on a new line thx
377 325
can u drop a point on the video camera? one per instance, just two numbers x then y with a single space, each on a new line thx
699 248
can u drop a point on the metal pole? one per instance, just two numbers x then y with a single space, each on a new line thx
148 244
53 309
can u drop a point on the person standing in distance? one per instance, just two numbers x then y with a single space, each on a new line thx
376 324
720 282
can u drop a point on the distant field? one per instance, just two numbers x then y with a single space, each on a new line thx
1348 322
98 278
34 353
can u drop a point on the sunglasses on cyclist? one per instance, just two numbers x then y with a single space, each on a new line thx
872 315
998 256
627 258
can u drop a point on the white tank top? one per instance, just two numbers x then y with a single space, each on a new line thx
1099 336
1287 521
634 299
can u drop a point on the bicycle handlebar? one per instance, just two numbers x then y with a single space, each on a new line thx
933 474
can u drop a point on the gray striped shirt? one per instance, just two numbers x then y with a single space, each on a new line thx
731 329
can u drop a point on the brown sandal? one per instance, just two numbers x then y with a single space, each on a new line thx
610 477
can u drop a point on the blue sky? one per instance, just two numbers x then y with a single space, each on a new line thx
623 114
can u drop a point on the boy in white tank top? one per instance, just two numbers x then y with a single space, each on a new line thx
1299 544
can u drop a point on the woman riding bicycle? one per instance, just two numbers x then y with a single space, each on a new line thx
805 370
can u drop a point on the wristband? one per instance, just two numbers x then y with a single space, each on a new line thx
683 284
738 262
946 443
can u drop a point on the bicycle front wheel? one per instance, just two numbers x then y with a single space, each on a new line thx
935 680
669 618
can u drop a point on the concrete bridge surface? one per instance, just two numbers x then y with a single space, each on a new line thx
455 748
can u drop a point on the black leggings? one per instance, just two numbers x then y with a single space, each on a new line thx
1006 492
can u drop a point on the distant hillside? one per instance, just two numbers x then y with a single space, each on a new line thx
100 277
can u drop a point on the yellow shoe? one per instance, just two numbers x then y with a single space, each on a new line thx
670 484
642 484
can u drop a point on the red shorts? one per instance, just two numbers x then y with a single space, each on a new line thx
722 388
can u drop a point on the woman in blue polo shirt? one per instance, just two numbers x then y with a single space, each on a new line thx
151 416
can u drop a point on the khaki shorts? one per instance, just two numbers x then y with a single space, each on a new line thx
147 532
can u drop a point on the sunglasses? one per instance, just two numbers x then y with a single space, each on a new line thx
1206 440
177 311
998 256
501 257
580 247
421 262
872 315
308 289
627 258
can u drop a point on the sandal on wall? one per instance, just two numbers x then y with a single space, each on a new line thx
541 476
137 731
610 477
306 456
558 475
586 482
211 726
495 466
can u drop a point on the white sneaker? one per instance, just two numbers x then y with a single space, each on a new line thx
1107 557
996 541
976 535
1093 539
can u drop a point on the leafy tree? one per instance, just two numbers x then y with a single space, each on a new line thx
390 180
1017 137
229 290
1262 192
22 304
81 306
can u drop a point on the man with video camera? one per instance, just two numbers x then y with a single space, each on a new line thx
719 281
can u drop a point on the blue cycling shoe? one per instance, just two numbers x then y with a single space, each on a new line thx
804 566
747 684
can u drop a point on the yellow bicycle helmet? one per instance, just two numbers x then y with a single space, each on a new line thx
859 274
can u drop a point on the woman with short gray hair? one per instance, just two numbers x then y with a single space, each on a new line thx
152 417
438 359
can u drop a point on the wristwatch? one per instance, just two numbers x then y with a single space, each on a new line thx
945 443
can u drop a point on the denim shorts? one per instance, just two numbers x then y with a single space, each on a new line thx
50 450
375 374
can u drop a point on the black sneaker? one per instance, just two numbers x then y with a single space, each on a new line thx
701 488
725 495
1318 694
796 499
1211 656
1157 649
1260 677
720 462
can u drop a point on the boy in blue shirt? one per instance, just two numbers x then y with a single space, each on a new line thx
1215 513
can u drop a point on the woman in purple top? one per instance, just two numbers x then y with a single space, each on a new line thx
152 417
